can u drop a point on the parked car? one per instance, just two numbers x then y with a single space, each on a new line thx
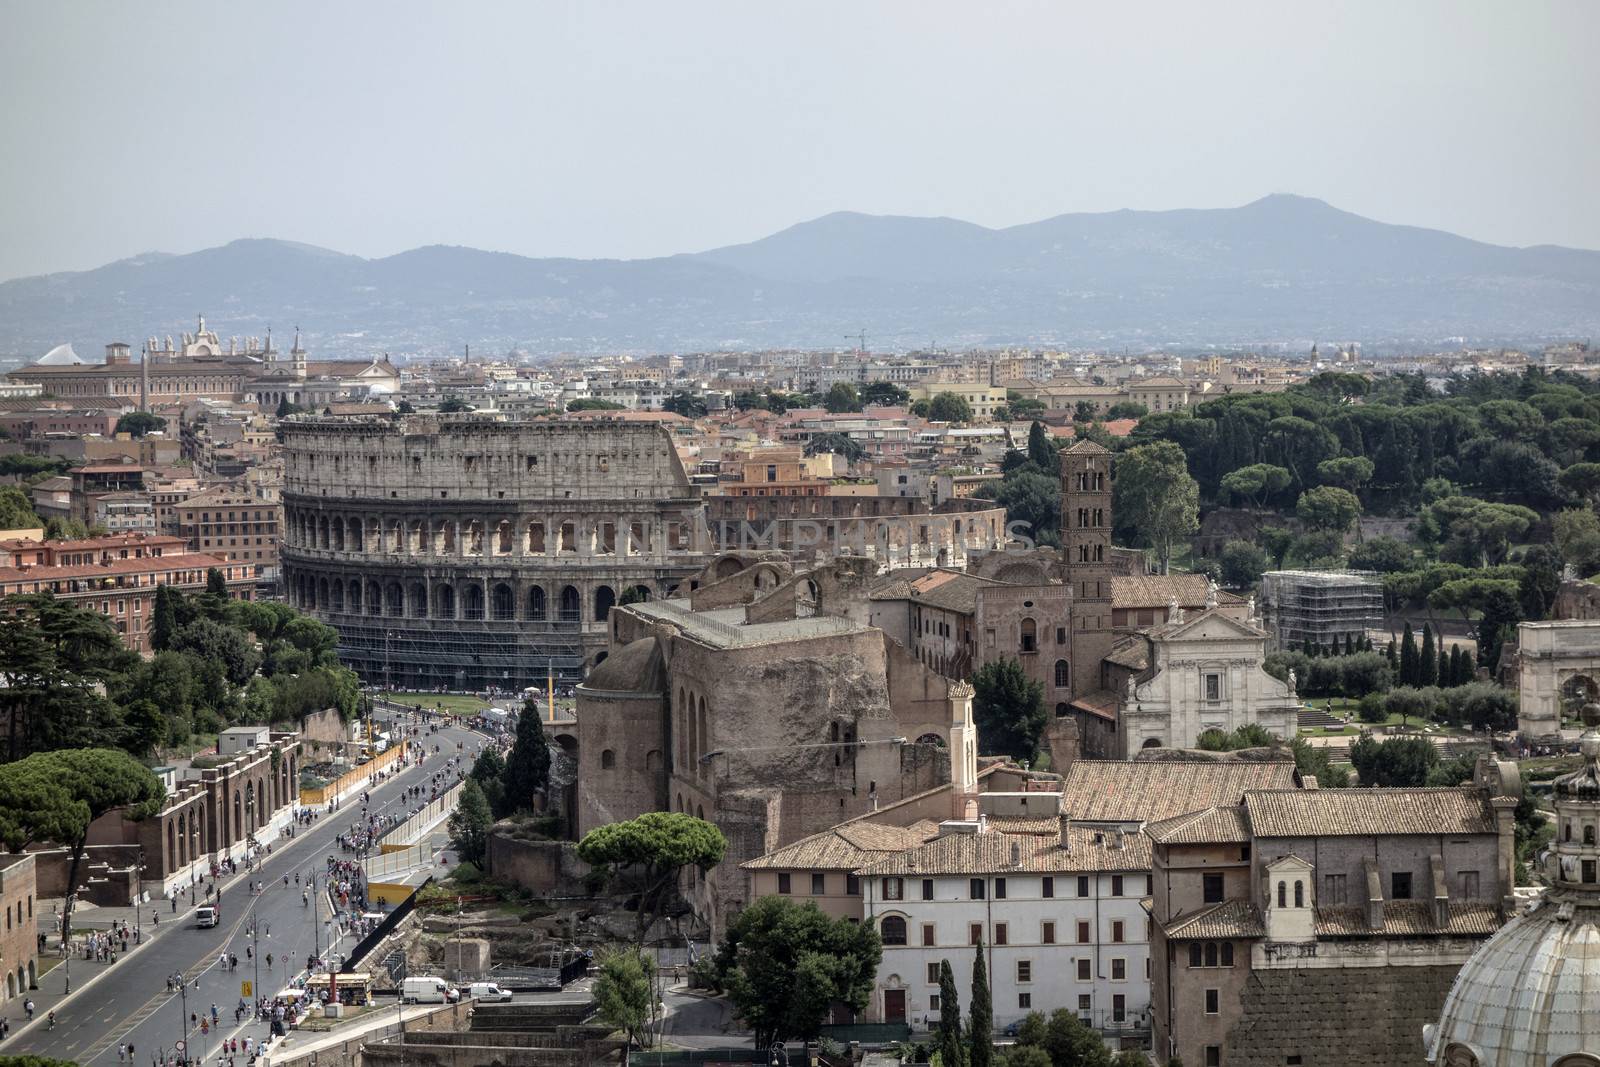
487 991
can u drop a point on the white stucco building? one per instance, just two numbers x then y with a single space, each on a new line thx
1200 673
1055 906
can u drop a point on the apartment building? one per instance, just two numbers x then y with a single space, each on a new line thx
1056 909
233 523
116 576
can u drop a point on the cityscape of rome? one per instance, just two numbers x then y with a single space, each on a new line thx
544 534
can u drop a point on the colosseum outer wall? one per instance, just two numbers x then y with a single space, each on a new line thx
472 550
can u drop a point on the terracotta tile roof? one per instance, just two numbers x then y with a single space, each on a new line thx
1368 812
844 847
950 592
1408 917
1231 918
1130 652
994 852
1101 702
1223 824
1025 824
1159 590
1151 790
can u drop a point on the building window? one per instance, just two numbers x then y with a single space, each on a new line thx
1083 885
1083 931
927 889
1116 885
1085 1002
1119 969
1083 970
894 889
1400 885
933 974
976 888
852 885
1061 635
1119 1007
1029 641
1213 687
1469 885
819 884
927 935
893 929
1211 885
1116 932
1047 933
783 881
1213 1001
1213 1056
1000 934
1049 887
933 1002
974 933
999 889
1299 894
1283 891
1333 889
1024 970
1024 1000
1063 674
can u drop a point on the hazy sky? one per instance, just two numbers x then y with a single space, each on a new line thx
639 129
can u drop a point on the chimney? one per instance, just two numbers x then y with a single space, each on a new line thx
1374 894
1116 839
1441 891
1016 853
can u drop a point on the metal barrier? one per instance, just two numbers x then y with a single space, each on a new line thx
383 929
404 835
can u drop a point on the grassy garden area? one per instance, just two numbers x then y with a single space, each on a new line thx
449 703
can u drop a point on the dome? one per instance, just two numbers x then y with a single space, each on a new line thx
60 356
636 667
1529 997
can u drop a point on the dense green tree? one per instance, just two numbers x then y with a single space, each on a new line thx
653 848
528 767
1313 761
454 405
684 403
1382 554
884 394
952 1050
1345 472
980 1048
405 407
1008 709
1399 762
53 797
1410 702
1328 508
1428 659
1041 450
624 994
1242 564
1408 657
1033 499
1256 483
1085 411
227 645
16 510
1157 502
1126 409
489 771
949 407
584 403
164 621
54 657
469 824
1277 541
1473 532
842 397
1540 581
137 424
838 443
1300 445
784 964
1577 535
1582 482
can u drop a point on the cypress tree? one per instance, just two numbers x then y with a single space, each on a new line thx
1408 657
164 620
1428 664
1389 654
950 1050
981 1011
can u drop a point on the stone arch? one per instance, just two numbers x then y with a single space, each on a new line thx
322 593
806 598
374 599
472 601
504 540
397 536
503 603
473 538
652 760
416 537
337 603
893 930
354 596
322 531
930 739
417 601
536 603
444 538
444 601
727 566
571 606
608 759
1028 636
338 535
394 600
1063 674
636 594
604 600
1151 742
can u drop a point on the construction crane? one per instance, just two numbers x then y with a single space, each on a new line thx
861 341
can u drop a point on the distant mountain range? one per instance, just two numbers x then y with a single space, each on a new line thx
1284 268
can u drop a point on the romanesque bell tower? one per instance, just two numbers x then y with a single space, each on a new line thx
1086 554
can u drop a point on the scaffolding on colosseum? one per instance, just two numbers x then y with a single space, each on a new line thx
427 654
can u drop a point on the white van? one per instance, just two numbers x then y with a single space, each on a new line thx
206 915
426 989
487 991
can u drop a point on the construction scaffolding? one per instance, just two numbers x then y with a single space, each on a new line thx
461 654
1319 607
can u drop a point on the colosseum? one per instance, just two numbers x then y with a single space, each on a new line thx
472 550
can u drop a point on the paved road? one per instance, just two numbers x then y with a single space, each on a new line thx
129 1001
